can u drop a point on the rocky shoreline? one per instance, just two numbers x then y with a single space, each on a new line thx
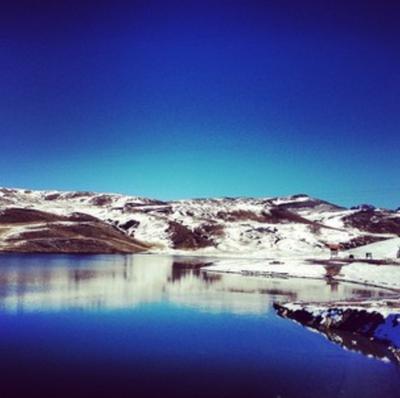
369 327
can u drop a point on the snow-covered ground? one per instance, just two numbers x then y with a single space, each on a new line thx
386 276
384 249
385 307
297 225
268 268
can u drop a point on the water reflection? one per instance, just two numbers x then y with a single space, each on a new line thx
55 283
385 349
376 348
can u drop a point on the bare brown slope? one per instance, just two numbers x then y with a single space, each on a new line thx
14 215
184 238
50 233
374 221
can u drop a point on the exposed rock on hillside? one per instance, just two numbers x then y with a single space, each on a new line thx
265 227
374 221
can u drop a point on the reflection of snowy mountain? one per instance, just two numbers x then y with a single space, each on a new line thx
40 283
54 221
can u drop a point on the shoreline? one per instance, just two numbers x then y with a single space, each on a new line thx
386 276
280 276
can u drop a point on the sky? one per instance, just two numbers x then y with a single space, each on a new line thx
203 98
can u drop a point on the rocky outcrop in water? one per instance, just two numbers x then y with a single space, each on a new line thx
371 328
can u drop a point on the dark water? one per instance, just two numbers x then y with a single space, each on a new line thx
138 326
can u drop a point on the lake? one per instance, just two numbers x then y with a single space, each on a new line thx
145 325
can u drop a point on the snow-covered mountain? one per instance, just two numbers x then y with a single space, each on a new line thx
54 221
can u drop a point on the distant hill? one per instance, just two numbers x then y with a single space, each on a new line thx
87 222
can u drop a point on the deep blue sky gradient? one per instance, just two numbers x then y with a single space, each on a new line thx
195 99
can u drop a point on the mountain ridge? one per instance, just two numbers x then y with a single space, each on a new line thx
274 226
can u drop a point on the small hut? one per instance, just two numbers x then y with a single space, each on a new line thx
334 249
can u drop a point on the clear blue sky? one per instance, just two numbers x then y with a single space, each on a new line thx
195 99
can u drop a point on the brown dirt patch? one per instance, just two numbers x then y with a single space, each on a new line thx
20 215
184 238
374 221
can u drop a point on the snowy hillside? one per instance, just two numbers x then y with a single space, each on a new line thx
283 226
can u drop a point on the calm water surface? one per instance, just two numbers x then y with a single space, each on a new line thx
127 326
